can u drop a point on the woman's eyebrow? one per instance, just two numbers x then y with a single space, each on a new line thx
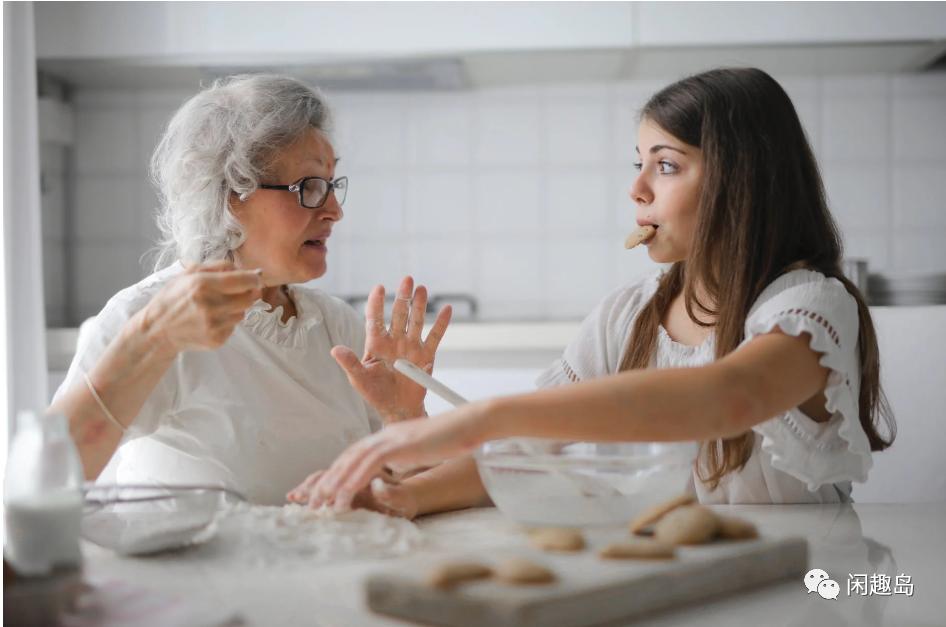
659 147
320 160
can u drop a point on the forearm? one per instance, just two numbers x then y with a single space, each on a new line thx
642 405
124 377
455 484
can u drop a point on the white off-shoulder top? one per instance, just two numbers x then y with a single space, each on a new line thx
794 459
258 414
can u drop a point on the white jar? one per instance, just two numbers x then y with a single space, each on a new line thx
42 496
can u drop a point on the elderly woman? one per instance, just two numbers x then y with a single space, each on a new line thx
219 367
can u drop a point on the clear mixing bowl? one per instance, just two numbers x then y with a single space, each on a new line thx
553 482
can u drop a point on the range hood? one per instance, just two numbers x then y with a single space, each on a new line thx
492 69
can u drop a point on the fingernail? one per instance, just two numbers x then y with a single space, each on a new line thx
340 506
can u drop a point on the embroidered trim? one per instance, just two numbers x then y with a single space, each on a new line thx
572 376
797 311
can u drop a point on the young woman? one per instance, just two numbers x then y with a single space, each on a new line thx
752 343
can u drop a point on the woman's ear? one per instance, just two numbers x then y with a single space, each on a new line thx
236 202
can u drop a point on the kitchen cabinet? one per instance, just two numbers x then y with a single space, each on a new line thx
263 32
794 23
258 33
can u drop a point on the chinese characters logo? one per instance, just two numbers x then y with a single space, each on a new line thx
817 580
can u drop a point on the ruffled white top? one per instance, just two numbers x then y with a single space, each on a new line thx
258 414
795 459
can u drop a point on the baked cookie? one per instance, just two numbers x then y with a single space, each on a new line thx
557 539
449 574
638 549
520 571
732 528
692 524
652 514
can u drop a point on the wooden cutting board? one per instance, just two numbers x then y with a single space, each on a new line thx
589 590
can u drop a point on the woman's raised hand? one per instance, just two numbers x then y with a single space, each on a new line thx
394 396
199 309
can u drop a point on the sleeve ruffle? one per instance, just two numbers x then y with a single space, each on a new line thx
818 453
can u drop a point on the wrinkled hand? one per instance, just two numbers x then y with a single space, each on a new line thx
409 443
199 309
394 396
383 494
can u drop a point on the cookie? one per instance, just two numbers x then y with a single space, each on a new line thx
519 571
732 528
449 574
691 524
652 514
638 549
557 539
639 236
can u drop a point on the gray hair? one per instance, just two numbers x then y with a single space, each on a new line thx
221 141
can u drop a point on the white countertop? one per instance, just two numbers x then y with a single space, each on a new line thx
843 539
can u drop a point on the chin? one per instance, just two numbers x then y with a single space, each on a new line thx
659 256
316 273
307 273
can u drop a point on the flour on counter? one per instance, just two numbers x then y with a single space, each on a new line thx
265 535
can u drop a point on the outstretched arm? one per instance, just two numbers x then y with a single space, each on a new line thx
771 374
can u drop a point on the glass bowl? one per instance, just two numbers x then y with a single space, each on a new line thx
137 520
552 482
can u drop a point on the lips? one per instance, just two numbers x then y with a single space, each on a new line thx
319 240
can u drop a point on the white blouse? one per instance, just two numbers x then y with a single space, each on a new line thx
258 414
794 459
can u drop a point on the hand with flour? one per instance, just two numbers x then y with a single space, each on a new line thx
395 396
384 494
409 444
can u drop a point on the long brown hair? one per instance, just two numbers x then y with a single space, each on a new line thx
762 212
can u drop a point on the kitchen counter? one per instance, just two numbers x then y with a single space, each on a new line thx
844 540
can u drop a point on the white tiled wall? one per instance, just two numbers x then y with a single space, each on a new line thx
517 195
53 193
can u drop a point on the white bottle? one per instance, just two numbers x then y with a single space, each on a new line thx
42 496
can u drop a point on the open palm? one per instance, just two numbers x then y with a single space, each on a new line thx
394 396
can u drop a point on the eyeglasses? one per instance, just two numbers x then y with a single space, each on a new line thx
314 190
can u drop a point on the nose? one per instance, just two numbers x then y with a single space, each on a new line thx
331 210
640 191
